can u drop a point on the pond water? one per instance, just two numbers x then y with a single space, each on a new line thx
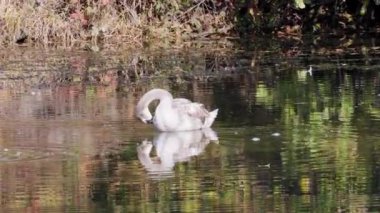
289 139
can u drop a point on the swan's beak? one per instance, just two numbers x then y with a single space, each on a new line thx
150 121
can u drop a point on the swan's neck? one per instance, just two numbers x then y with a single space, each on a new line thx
155 94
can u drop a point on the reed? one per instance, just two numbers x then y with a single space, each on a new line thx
73 23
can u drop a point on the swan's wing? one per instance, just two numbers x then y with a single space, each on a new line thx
179 101
193 109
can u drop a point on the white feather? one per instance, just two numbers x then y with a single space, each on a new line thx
178 114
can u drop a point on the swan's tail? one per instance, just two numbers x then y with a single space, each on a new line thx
210 119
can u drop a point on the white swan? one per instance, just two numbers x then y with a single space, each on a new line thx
174 114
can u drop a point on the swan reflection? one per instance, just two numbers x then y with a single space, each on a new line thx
173 147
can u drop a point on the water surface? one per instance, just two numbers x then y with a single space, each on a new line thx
288 139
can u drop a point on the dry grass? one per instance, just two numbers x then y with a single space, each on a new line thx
92 22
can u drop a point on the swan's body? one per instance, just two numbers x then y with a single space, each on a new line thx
172 114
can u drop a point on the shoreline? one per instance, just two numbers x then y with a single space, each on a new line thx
95 23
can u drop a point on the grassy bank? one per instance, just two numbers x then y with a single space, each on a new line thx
106 21
91 23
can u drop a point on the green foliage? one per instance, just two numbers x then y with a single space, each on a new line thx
299 4
288 19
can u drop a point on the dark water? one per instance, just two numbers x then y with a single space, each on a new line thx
289 140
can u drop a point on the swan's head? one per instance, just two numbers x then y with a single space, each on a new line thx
142 110
144 115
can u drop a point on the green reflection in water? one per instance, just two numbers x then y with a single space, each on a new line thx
323 160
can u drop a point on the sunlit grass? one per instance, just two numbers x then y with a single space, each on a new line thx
90 23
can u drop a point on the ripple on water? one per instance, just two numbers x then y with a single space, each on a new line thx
27 154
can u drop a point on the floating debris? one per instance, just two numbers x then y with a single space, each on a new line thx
265 165
276 134
310 70
255 139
